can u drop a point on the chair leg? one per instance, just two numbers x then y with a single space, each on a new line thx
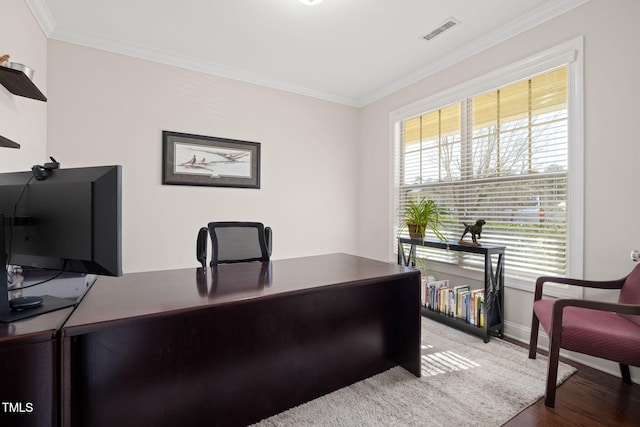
552 367
533 340
626 374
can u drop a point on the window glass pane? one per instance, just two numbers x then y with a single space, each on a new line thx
430 126
411 131
514 143
450 138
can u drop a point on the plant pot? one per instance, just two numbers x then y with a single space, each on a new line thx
414 232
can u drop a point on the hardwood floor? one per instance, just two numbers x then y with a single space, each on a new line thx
588 398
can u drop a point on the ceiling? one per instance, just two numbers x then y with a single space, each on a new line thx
347 51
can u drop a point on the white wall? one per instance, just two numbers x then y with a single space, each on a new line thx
23 120
326 168
111 109
612 146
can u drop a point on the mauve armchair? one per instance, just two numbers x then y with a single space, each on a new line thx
606 330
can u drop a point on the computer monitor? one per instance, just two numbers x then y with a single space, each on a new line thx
68 220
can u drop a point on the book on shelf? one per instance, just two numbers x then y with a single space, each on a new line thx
460 302
424 289
475 306
434 296
444 296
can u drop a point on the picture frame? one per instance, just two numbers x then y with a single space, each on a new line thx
189 159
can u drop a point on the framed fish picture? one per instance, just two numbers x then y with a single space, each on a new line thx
205 160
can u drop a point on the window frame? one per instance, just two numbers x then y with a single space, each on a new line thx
570 54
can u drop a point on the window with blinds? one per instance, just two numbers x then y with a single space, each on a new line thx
501 156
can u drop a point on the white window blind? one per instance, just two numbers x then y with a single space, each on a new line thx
501 156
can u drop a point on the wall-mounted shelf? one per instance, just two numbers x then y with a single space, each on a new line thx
5 142
19 84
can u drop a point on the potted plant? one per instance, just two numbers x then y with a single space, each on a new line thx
423 214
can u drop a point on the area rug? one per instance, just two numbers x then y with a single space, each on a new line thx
465 382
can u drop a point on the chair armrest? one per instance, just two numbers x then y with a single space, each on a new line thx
600 284
559 305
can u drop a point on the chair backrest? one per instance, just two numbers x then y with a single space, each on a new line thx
630 293
235 241
201 246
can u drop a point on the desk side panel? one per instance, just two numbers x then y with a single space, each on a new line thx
28 383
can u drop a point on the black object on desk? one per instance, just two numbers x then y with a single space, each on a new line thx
25 303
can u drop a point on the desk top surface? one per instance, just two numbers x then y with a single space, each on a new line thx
43 327
38 328
112 299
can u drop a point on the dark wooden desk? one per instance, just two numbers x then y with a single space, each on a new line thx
29 370
183 348
29 356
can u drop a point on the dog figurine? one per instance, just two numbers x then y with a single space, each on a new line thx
475 230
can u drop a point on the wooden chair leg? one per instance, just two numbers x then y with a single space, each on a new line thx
552 368
533 340
626 374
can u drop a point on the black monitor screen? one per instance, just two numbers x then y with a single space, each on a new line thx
70 221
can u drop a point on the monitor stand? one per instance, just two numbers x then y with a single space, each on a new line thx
7 315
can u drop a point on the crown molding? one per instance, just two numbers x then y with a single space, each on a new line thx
193 64
43 15
541 14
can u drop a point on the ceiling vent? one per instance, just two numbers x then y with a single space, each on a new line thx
442 28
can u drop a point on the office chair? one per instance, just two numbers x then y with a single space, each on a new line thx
601 329
235 241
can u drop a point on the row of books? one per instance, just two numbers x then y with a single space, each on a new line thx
457 301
